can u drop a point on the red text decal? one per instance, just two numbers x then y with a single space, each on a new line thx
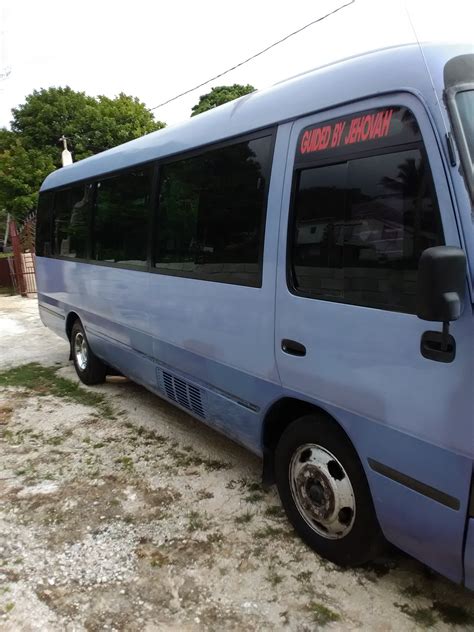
360 129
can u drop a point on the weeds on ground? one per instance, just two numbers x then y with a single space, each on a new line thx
43 380
197 522
423 617
126 462
455 615
244 518
274 511
273 577
321 614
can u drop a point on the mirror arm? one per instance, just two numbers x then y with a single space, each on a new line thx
445 336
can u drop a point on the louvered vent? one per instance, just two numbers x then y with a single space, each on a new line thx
183 393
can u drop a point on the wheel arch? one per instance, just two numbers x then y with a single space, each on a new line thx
277 418
70 320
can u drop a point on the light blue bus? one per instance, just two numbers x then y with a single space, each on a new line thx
295 269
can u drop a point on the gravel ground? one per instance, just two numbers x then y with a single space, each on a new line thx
120 512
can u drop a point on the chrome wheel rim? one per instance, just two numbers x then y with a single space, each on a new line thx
322 491
80 350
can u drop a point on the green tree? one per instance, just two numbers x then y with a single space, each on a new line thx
219 95
21 174
90 124
31 149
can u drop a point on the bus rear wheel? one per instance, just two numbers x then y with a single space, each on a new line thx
89 368
324 491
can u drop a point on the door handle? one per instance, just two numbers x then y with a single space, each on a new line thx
293 348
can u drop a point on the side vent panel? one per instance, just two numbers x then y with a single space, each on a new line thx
181 392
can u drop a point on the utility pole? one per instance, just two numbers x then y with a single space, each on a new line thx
66 156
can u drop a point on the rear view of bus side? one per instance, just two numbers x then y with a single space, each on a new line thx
295 269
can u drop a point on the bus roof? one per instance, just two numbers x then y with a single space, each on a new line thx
383 71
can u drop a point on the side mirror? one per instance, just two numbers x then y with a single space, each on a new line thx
440 293
441 284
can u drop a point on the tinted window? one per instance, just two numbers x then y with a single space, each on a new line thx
361 227
71 221
43 224
121 218
211 214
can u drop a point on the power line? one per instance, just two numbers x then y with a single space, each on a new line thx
283 39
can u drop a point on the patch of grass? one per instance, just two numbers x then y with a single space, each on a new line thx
56 440
321 614
423 617
149 436
455 615
126 462
253 497
6 291
268 532
215 538
244 518
45 381
274 511
9 606
189 458
273 577
304 577
196 522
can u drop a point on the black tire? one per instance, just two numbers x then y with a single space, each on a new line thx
93 370
363 540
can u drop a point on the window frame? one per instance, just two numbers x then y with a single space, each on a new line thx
194 153
352 154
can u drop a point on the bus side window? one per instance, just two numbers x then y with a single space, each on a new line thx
360 228
71 222
121 216
43 224
211 214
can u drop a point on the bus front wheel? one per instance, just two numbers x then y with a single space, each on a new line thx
88 367
324 491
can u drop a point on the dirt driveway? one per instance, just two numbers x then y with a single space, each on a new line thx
119 512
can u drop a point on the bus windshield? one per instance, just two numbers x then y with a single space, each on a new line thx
465 106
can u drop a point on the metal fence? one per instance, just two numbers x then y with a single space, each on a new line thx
23 262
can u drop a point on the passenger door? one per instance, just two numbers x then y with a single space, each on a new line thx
365 193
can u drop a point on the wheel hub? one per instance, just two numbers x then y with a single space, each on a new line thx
80 350
316 492
322 491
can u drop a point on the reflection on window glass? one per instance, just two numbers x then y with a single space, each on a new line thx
43 224
71 221
120 231
210 216
361 227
